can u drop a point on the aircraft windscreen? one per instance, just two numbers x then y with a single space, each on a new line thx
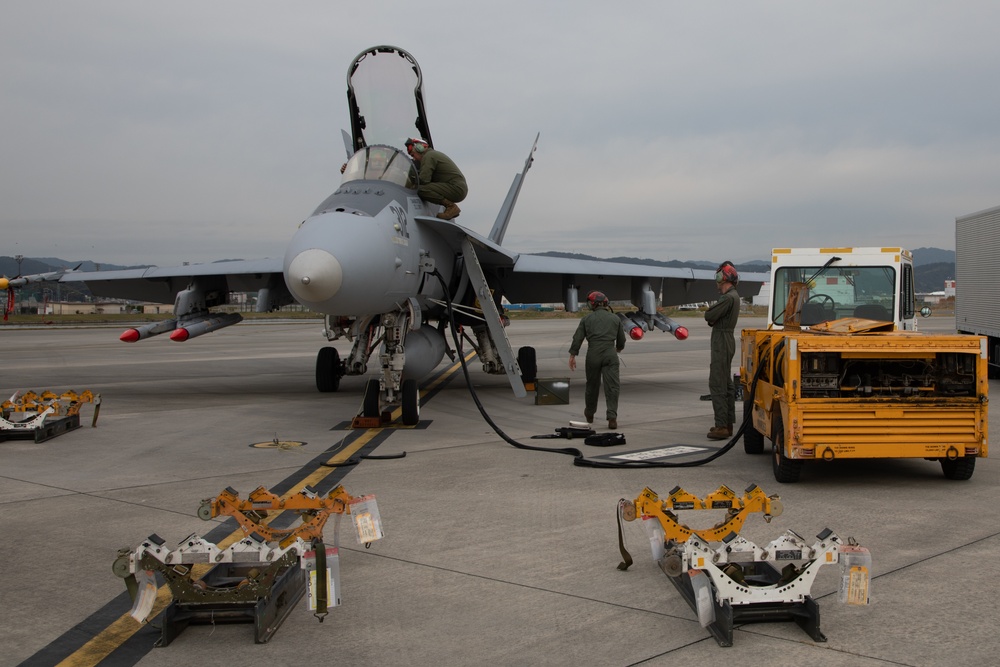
381 163
385 86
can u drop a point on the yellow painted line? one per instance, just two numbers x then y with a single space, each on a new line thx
447 373
120 630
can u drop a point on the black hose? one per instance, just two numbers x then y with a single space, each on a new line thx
579 459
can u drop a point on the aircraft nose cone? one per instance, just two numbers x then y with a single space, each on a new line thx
315 276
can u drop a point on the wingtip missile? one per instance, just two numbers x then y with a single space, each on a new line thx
21 281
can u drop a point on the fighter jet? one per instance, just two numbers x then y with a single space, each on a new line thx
384 271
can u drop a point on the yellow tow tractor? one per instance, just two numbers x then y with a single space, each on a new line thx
841 372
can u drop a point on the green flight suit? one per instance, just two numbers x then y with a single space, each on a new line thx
722 318
440 178
605 339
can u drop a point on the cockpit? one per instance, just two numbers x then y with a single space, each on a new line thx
381 163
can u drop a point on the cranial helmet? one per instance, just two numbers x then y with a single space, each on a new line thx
727 273
419 145
596 299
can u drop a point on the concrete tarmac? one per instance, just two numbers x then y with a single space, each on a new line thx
492 555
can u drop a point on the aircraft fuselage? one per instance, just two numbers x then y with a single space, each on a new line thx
362 252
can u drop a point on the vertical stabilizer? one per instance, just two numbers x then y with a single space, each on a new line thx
503 218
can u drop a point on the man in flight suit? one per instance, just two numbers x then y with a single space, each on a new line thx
605 339
441 181
722 316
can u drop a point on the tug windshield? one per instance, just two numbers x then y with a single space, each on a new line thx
859 291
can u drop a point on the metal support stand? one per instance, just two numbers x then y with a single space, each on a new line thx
49 429
266 613
805 613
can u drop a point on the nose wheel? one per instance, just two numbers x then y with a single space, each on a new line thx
370 404
411 403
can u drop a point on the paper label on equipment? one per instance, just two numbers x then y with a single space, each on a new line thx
313 592
364 512
857 587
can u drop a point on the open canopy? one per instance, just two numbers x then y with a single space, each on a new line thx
384 92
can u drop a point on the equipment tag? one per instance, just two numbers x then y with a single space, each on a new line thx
857 587
364 512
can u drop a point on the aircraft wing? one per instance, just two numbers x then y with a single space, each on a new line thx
527 278
542 279
161 285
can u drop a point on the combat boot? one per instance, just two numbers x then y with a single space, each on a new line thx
589 416
451 210
612 423
720 432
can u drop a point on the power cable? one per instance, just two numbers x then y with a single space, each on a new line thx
579 458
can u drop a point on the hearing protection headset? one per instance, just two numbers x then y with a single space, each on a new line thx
727 273
596 299
419 145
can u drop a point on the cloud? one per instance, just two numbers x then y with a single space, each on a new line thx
191 132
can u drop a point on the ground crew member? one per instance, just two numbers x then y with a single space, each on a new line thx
441 181
722 316
605 339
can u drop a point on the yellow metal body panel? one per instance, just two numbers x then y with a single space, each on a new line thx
926 422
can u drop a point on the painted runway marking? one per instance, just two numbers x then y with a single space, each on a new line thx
658 453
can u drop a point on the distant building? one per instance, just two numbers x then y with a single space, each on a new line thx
937 297
75 308
763 298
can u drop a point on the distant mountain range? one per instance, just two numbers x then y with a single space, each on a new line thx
934 266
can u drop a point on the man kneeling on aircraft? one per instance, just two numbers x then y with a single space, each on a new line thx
441 181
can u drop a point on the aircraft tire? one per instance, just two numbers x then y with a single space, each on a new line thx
411 403
528 362
960 468
328 369
786 470
370 405
753 440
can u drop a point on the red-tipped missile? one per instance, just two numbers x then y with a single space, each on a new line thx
147 330
632 328
666 324
204 325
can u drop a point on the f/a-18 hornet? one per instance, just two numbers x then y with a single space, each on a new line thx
375 260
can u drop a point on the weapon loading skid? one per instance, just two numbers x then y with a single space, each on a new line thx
257 578
44 416
727 579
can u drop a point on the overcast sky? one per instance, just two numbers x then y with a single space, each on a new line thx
141 132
